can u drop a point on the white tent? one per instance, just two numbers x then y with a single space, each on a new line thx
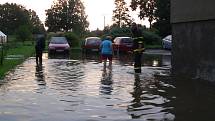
3 37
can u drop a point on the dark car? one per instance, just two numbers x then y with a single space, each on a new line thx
123 44
91 44
58 44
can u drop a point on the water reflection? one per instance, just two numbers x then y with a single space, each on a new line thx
136 94
65 74
152 60
150 101
106 79
59 56
194 100
86 57
147 60
40 78
124 59
82 88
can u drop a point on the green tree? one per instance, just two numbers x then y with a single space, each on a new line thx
66 15
23 34
120 31
54 16
80 24
12 16
121 15
37 25
162 14
147 9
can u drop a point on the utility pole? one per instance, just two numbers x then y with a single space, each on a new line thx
104 21
67 6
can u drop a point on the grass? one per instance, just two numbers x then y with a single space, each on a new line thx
25 49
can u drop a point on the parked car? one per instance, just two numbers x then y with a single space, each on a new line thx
91 44
58 44
123 44
167 42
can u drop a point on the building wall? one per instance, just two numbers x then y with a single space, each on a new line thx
192 10
193 30
193 49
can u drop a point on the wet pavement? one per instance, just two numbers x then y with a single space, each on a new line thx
80 88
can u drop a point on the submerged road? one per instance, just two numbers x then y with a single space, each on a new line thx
80 88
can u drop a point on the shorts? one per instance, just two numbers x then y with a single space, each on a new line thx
106 56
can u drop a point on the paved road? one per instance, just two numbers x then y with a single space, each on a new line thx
157 52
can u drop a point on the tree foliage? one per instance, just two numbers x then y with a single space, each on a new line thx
147 9
23 33
37 25
73 39
122 31
158 10
12 16
121 15
65 15
162 14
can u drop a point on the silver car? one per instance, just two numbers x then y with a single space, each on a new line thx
167 42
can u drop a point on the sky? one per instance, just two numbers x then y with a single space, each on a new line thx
99 11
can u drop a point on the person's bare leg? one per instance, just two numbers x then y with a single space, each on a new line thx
110 65
104 64
105 61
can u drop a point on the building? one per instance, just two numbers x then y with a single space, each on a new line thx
193 30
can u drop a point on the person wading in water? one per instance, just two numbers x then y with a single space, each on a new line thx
106 50
39 47
138 47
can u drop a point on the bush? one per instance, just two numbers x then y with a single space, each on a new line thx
117 32
151 38
73 39
23 34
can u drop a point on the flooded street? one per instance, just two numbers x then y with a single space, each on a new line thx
81 88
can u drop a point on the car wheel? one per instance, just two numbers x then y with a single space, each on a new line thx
49 52
67 52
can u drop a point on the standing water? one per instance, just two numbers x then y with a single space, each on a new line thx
81 88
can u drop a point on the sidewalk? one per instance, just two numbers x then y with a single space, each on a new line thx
157 52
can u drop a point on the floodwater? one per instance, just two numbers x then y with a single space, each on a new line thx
80 88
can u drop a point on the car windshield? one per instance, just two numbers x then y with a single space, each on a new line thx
58 40
127 40
168 38
93 41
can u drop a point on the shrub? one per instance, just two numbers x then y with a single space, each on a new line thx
23 34
117 32
151 38
73 39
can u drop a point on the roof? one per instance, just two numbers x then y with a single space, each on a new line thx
92 38
2 34
169 37
123 37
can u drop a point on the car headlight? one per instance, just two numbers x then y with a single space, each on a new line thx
51 47
67 47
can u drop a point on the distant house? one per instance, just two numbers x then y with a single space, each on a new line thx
3 37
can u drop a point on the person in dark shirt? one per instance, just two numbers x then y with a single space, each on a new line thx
39 47
138 47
